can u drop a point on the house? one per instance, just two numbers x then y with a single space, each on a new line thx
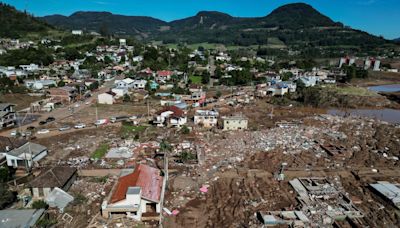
137 193
309 81
7 144
106 98
170 115
137 59
122 42
61 177
206 118
39 84
23 218
77 32
139 84
65 94
30 68
120 92
154 85
8 116
164 75
25 155
234 123
125 83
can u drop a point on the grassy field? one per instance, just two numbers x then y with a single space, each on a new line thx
356 91
101 151
130 130
195 79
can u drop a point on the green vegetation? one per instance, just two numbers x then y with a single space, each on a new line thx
129 130
185 130
79 199
185 156
101 151
195 79
39 204
41 56
4 174
16 24
357 91
46 222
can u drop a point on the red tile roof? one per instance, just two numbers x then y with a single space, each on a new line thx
164 73
177 111
145 177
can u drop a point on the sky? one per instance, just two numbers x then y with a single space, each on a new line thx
379 17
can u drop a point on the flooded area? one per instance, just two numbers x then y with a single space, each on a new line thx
388 115
385 88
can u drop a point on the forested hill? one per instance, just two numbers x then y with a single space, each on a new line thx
14 24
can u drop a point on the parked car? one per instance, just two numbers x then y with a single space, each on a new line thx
118 119
64 128
80 126
43 131
50 119
101 122
31 128
14 133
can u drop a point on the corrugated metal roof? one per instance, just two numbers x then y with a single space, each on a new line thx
145 177
389 190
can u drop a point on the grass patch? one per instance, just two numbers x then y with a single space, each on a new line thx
355 91
195 79
100 151
128 130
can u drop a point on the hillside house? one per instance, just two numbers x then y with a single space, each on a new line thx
63 95
234 123
106 98
8 116
206 118
164 75
57 177
25 155
170 116
136 193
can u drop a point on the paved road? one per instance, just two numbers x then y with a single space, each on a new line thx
64 112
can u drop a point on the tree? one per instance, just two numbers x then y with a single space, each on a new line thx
286 76
205 78
126 98
94 85
39 204
185 130
104 29
4 174
6 196
218 94
61 83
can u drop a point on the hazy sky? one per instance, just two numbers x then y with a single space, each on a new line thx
379 17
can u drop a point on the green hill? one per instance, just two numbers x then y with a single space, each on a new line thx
14 24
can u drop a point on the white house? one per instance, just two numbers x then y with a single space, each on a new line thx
125 83
30 68
26 155
39 84
170 115
136 193
122 42
106 98
139 84
206 118
137 59
77 32
120 91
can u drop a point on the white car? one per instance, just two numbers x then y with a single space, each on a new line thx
77 105
13 133
80 126
43 131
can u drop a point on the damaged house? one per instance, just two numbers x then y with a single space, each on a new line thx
57 177
137 193
170 116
